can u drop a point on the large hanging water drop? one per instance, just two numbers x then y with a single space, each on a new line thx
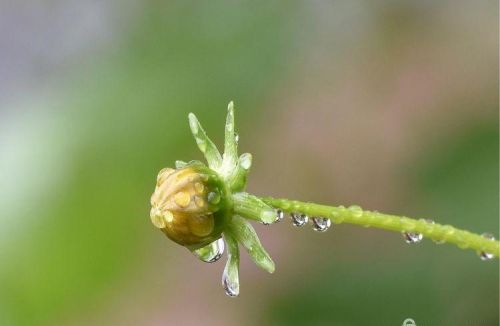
485 255
321 224
230 288
299 219
212 252
412 237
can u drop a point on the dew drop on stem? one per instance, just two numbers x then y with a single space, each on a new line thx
280 215
412 237
299 219
485 256
321 224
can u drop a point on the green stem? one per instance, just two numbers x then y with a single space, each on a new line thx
355 215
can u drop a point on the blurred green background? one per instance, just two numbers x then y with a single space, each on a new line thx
392 105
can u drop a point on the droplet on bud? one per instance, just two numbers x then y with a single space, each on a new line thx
299 219
321 224
485 255
412 237
212 252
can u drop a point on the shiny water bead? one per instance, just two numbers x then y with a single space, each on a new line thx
356 211
484 255
199 201
212 252
201 225
182 199
321 224
280 215
163 174
157 219
299 219
213 198
198 187
230 288
412 237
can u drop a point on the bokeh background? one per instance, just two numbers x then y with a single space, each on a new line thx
392 105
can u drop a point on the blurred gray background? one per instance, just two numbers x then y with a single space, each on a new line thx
392 105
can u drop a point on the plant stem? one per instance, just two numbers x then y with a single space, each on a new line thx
355 215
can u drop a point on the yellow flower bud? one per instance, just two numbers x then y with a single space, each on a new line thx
191 205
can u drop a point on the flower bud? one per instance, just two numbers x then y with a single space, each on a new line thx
191 205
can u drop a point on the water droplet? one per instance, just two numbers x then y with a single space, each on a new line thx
299 219
200 202
198 187
212 252
163 175
356 211
236 137
157 218
213 198
182 199
321 224
280 215
231 289
412 237
246 161
485 255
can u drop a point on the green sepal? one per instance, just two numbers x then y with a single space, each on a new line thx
230 156
238 179
180 164
246 235
206 146
253 208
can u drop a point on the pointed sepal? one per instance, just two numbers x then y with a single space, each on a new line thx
246 235
230 157
238 178
253 208
206 146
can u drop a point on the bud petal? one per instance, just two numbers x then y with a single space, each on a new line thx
191 205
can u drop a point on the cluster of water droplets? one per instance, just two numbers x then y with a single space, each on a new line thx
214 251
319 224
